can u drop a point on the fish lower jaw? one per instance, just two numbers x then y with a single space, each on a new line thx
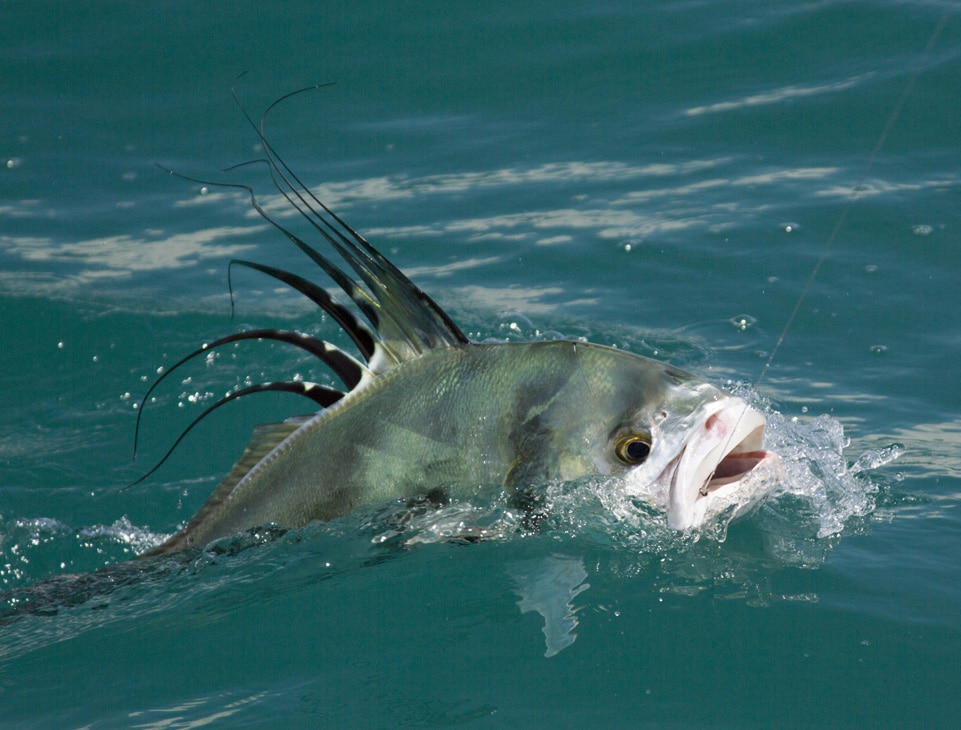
715 473
738 492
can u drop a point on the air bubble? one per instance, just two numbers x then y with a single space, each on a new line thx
743 322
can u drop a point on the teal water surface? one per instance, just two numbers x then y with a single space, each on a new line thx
664 177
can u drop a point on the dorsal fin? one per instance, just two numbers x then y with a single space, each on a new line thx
361 336
409 322
344 366
405 321
320 394
263 440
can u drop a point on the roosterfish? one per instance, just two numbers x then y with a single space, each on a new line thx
426 413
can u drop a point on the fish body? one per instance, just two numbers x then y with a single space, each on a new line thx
430 412
505 415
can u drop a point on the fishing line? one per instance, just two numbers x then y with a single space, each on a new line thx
839 224
855 192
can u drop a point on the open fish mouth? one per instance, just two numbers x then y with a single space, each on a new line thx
714 469
732 468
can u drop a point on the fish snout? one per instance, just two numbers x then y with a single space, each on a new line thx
713 470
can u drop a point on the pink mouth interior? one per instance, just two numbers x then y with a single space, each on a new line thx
734 466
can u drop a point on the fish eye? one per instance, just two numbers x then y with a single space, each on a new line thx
633 448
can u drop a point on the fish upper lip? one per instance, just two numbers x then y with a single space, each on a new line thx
726 450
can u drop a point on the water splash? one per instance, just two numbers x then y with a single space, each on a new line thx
43 546
831 494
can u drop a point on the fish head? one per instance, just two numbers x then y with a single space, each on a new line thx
689 447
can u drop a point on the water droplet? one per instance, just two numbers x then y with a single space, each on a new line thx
879 349
743 322
14 162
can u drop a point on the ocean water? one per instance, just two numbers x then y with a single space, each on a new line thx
665 177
